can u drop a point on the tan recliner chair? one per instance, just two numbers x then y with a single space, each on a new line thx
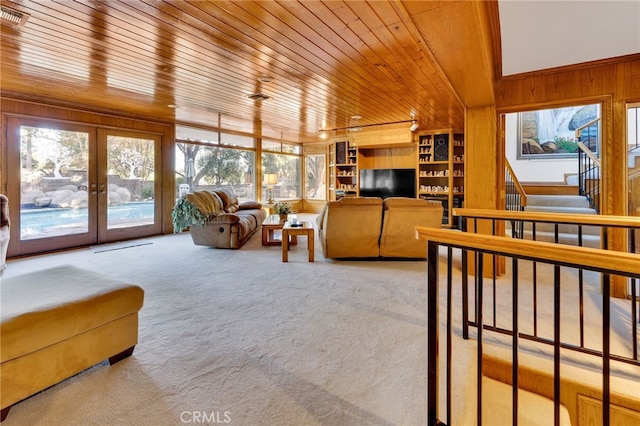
350 227
4 231
401 216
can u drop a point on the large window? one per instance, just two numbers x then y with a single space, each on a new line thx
283 160
315 184
212 160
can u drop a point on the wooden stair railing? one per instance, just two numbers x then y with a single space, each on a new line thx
516 195
515 198
441 321
589 166
620 287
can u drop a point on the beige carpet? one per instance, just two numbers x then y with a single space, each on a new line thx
240 338
255 341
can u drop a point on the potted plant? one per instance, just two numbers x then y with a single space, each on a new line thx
186 214
283 209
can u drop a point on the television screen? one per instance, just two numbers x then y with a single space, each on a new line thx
385 183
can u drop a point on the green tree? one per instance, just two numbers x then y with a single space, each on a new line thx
190 152
55 150
287 167
223 165
131 157
316 171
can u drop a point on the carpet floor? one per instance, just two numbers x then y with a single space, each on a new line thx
237 337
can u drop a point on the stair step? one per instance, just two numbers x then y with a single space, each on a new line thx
560 209
533 409
580 381
572 179
588 240
550 188
563 229
557 200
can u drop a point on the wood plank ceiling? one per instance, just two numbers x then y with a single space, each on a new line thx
328 61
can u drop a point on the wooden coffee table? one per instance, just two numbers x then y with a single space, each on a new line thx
293 231
272 223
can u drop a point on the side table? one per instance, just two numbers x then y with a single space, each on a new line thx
292 231
272 223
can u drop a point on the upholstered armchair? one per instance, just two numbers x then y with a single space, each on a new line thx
350 227
4 231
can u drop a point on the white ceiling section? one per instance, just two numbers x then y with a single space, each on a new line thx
543 34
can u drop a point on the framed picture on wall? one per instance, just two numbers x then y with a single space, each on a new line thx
555 132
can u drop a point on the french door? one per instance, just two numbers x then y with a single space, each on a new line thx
73 185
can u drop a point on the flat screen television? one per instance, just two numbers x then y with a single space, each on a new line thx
385 183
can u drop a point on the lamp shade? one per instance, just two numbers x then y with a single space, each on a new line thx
270 178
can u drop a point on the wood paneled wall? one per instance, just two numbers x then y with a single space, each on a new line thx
387 158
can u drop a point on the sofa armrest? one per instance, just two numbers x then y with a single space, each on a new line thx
250 205
320 218
223 218
4 232
4 210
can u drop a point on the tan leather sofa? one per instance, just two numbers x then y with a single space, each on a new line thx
368 227
400 218
230 223
350 227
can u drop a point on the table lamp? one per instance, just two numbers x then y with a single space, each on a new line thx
270 179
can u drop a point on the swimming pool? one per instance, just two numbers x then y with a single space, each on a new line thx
44 222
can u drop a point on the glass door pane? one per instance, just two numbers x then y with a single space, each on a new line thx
71 185
54 164
316 173
130 181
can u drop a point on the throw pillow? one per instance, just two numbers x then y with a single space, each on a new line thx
234 206
232 196
226 200
229 200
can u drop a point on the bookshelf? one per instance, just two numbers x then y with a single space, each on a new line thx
343 169
440 170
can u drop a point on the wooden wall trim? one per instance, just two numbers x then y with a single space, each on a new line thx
563 87
576 67
492 19
12 106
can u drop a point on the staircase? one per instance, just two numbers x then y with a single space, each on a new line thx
562 204
533 408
